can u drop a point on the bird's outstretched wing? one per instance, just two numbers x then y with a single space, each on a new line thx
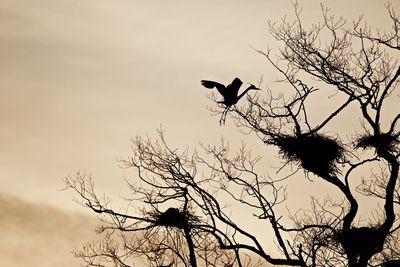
233 88
212 84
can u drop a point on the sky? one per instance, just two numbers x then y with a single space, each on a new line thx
79 79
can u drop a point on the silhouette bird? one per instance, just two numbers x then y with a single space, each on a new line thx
229 93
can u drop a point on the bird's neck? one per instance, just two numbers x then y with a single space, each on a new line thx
244 92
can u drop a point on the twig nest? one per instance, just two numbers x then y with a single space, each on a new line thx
381 142
362 240
316 153
173 217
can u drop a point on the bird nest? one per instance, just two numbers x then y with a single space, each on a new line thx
173 217
316 153
381 142
359 240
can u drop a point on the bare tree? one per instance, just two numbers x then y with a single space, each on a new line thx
180 212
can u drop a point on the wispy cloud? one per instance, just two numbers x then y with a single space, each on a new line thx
40 235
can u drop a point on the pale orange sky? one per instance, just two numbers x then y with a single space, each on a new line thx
79 78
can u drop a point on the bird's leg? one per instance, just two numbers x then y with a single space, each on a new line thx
222 119
223 115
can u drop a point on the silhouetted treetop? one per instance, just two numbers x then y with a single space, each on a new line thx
199 207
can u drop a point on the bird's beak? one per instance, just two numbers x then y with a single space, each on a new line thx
255 87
